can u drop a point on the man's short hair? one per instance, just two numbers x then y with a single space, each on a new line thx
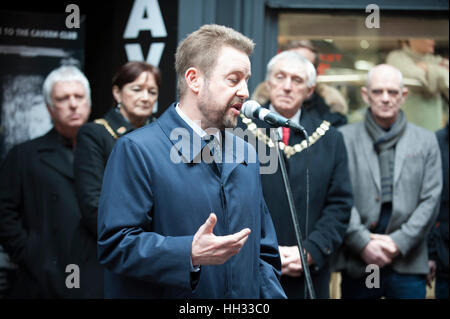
64 73
201 49
303 44
292 55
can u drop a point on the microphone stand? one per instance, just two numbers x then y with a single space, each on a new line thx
298 234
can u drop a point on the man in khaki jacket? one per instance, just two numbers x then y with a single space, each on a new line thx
395 171
416 60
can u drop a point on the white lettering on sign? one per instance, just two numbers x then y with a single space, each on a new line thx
153 22
145 16
134 52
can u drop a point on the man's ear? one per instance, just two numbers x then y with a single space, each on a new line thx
365 95
310 91
192 77
404 92
267 85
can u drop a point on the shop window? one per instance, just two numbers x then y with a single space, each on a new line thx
348 48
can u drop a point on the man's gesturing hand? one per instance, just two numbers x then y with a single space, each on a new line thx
209 249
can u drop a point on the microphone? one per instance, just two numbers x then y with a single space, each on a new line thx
252 109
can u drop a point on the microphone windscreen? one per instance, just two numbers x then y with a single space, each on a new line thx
249 107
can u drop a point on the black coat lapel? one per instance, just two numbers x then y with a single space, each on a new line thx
55 155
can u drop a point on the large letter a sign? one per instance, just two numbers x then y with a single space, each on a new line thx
145 16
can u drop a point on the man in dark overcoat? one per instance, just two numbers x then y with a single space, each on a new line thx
290 81
38 206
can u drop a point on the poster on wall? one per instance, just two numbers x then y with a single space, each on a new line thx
31 45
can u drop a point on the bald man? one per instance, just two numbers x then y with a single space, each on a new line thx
395 170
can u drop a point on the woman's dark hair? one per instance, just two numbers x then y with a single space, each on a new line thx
130 71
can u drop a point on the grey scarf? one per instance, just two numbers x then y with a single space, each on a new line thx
384 143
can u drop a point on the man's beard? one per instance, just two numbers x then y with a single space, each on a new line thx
217 119
228 119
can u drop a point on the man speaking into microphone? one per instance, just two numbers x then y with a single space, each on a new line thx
290 80
175 220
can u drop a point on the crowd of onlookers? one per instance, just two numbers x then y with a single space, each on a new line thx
378 188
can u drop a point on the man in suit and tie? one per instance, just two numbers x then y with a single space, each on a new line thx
290 80
38 206
395 169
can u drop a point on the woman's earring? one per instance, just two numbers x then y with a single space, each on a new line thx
119 105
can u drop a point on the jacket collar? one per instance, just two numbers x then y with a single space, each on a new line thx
414 55
189 144
404 146
117 122
366 145
295 118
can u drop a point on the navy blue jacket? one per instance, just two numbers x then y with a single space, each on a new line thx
155 196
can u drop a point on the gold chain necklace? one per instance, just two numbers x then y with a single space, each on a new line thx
288 150
107 127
